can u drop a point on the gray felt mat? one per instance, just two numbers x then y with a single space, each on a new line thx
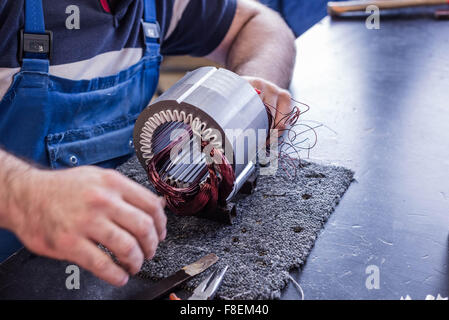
273 233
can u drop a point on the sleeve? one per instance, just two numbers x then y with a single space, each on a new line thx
197 27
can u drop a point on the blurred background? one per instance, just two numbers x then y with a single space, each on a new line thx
300 15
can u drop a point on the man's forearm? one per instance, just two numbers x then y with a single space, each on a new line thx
264 47
13 172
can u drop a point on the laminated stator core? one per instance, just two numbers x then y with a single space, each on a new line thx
220 108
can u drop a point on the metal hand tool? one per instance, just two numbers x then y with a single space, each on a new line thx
207 289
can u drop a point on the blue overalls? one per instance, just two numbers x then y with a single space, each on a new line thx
60 123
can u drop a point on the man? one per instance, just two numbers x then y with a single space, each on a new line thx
70 99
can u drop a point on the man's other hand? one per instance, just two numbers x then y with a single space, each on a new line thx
65 214
277 99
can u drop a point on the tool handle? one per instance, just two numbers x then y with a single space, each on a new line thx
173 296
338 8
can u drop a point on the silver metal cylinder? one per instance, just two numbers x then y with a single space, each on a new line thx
219 100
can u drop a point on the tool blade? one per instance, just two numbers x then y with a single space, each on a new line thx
165 285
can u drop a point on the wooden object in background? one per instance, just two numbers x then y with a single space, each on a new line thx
338 8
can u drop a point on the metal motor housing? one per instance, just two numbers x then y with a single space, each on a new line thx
221 100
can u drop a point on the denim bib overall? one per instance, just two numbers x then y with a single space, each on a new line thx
60 123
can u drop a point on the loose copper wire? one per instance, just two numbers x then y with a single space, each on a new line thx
288 146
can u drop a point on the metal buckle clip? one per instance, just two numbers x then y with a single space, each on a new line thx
35 43
151 30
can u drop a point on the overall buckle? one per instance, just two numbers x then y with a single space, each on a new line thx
40 43
151 30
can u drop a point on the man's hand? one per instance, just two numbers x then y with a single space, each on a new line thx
277 99
64 214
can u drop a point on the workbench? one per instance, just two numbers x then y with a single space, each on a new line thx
383 96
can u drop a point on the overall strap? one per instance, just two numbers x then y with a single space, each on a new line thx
34 17
35 41
151 28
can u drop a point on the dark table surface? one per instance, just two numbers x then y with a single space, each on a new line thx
384 96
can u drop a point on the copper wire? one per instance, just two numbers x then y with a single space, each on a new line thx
209 184
198 196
